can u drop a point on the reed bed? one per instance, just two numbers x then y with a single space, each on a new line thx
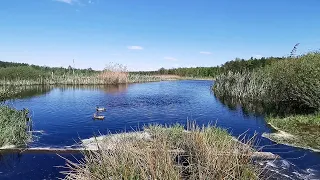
103 78
289 85
112 74
171 153
14 126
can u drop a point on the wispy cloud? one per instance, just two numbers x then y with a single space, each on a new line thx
205 52
135 47
67 1
170 58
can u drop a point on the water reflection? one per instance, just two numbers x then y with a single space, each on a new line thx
258 108
246 107
43 166
110 89
22 92
8 159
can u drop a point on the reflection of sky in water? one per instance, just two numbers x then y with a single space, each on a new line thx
65 115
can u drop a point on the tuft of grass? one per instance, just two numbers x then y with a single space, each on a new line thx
304 128
14 126
171 153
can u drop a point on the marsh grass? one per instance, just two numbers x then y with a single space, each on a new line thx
304 128
291 85
103 78
171 153
112 74
14 126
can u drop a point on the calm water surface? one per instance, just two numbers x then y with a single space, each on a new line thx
64 114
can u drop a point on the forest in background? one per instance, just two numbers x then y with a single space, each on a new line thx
237 65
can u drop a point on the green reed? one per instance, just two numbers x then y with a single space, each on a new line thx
291 84
14 126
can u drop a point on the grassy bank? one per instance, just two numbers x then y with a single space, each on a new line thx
13 126
102 78
170 153
15 74
287 87
304 130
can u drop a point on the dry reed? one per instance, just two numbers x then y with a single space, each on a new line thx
171 153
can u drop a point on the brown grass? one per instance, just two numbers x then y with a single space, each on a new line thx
113 77
171 153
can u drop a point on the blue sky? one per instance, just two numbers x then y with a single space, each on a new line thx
148 35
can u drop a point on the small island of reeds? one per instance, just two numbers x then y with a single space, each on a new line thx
168 153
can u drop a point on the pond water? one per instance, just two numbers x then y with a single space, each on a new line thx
64 114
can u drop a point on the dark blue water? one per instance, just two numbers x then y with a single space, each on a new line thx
65 115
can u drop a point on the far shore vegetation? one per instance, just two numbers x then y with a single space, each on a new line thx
14 74
237 65
170 154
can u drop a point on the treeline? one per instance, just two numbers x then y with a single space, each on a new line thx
237 65
15 74
22 71
12 71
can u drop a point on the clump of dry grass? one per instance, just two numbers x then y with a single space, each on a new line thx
114 74
170 153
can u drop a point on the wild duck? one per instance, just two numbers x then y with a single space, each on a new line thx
99 117
100 109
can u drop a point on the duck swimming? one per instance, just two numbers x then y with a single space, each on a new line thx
100 109
99 117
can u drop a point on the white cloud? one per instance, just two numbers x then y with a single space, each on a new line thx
67 1
257 56
135 47
205 52
170 58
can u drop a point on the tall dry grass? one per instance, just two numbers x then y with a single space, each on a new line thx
171 153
